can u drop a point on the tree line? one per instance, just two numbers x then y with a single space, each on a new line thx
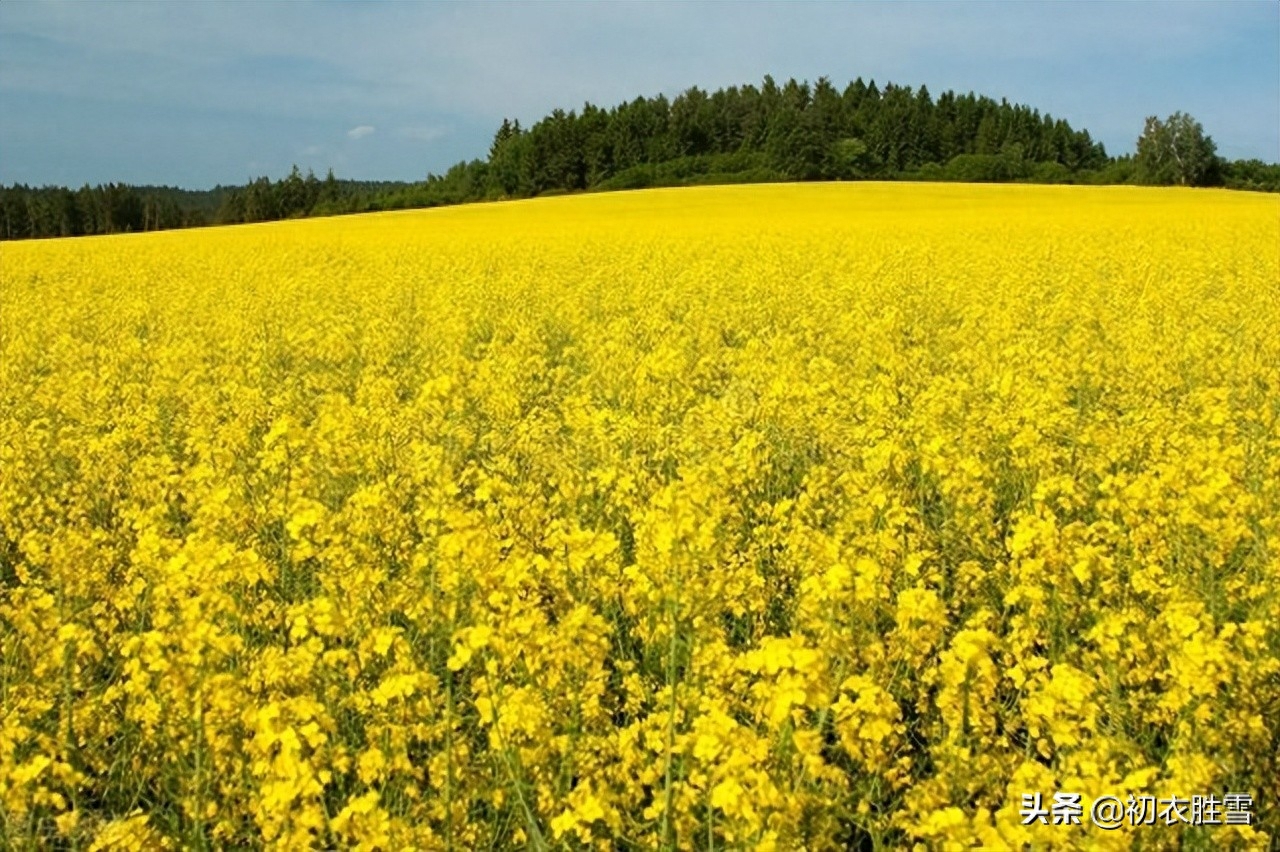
795 131
55 211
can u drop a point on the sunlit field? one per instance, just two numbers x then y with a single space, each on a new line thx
798 517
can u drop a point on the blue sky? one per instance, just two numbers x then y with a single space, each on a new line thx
199 93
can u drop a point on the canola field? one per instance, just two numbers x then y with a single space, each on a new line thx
790 517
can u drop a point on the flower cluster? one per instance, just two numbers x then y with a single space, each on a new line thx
821 517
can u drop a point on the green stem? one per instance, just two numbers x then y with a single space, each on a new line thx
668 787
448 747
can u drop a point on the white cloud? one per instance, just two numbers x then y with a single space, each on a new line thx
312 151
190 68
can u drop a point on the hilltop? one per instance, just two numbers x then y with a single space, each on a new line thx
795 131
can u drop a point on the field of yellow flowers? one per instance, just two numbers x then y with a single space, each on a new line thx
791 517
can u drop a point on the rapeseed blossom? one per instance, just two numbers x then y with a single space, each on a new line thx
793 517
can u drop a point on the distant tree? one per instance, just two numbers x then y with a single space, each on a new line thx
261 203
848 158
1252 174
507 159
1176 151
597 151
67 213
691 125
41 218
13 213
792 131
329 190
988 136
291 195
312 184
508 130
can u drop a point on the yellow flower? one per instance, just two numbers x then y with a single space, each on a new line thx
739 517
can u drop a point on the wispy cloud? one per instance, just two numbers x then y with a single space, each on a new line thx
188 93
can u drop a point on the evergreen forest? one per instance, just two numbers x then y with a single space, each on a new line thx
795 131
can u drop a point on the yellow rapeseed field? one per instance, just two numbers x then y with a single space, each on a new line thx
789 517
